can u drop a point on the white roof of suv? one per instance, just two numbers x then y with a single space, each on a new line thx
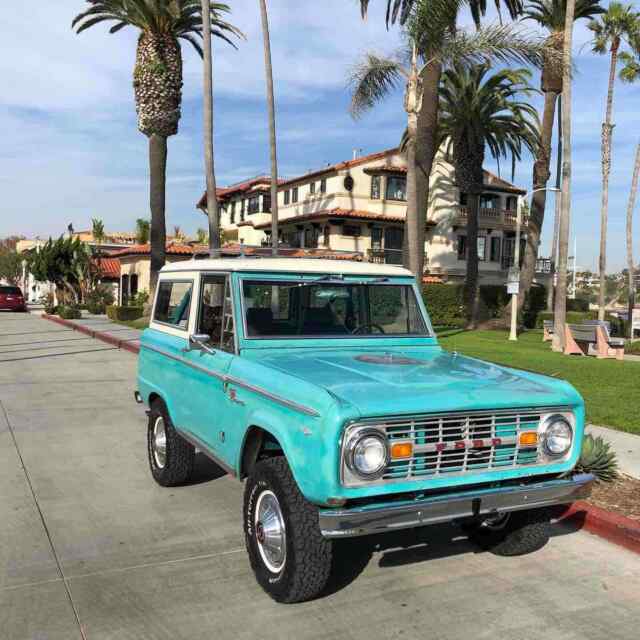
289 265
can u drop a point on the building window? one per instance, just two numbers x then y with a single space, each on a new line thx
266 203
464 199
311 235
396 188
495 249
489 201
375 187
512 203
243 210
351 230
482 248
294 194
327 236
287 197
323 185
232 214
462 247
254 205
312 188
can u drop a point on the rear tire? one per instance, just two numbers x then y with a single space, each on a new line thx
171 457
290 558
513 534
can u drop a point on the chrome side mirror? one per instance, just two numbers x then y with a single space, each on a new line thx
198 342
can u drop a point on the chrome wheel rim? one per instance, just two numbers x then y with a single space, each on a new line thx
270 532
159 442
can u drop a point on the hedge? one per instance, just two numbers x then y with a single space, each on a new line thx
124 314
618 326
69 313
445 303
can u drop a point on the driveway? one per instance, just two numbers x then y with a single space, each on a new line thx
91 547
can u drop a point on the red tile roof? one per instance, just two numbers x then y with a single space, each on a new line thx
172 249
432 280
336 213
108 267
492 180
246 185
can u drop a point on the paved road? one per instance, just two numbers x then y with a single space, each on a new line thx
91 547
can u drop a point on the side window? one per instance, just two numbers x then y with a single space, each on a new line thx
173 303
215 315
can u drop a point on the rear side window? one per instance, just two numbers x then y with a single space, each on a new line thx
173 303
10 291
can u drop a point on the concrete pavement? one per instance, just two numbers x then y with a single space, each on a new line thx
91 547
626 446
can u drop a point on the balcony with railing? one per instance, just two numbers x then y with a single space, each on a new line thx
505 217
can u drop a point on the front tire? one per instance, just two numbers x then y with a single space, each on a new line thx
290 558
171 457
513 534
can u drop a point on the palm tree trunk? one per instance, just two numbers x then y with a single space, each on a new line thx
560 310
472 289
412 107
426 149
272 126
541 175
630 266
554 251
607 130
158 179
213 209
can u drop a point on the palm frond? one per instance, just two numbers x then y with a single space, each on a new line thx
371 80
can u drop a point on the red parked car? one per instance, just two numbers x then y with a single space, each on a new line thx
11 299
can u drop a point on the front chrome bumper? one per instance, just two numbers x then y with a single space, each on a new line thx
374 518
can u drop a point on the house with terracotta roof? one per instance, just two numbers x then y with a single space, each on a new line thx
359 206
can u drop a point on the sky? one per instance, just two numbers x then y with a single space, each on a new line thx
70 150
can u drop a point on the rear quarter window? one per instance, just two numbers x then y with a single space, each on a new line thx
10 291
173 303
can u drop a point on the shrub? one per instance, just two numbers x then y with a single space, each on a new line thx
140 299
99 299
596 457
445 304
579 304
632 347
48 301
534 304
124 314
69 313
573 317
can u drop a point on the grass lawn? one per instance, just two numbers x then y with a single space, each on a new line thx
611 389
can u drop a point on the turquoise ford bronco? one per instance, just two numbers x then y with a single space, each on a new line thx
322 385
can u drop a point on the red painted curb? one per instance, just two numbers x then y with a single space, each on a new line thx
616 528
98 335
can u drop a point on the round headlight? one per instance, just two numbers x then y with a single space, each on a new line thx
558 436
368 455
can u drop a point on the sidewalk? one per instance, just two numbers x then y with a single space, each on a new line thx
626 446
101 328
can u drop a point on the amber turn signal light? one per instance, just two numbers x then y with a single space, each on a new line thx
529 439
401 450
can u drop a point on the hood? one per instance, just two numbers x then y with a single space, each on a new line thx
419 380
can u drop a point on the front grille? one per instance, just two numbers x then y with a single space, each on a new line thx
460 443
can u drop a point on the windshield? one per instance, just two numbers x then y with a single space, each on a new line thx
330 309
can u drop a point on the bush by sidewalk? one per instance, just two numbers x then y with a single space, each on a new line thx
69 313
115 312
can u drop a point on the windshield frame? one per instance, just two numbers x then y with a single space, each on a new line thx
310 279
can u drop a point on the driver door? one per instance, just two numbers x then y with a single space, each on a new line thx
208 404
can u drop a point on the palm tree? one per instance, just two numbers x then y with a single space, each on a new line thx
431 40
157 80
97 230
630 72
480 112
201 236
560 305
272 124
426 147
177 233
142 231
617 25
550 15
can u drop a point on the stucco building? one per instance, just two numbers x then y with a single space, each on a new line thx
360 206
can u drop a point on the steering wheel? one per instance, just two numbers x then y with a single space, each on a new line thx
362 327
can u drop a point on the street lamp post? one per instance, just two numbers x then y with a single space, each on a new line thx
514 275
